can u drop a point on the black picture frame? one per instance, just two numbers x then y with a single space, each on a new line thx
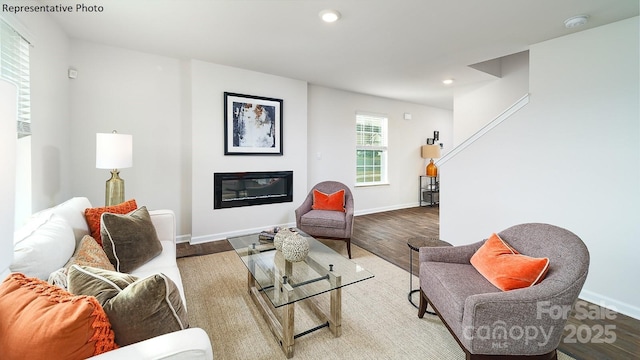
252 125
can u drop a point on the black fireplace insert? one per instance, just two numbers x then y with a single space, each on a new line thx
251 188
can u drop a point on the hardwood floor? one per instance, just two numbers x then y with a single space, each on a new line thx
186 250
385 234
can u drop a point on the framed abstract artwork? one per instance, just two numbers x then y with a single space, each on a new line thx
252 125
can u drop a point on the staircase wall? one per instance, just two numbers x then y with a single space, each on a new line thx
476 104
571 157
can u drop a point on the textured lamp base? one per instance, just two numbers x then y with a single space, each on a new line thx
114 193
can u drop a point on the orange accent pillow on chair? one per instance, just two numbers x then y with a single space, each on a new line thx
93 216
333 202
505 267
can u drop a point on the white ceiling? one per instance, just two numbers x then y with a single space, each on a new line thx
399 49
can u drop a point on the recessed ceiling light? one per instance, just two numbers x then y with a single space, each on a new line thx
576 21
447 81
330 15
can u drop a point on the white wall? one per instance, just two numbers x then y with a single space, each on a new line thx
332 139
570 158
8 110
208 84
173 109
50 121
476 105
134 93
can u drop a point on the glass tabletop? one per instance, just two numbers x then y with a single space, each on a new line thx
285 282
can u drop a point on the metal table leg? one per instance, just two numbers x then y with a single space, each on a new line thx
411 290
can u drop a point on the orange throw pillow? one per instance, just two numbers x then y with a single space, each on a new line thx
43 321
93 216
333 202
506 268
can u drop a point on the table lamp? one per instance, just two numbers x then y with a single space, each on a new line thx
431 152
114 151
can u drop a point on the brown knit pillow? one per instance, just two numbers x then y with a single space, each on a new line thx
130 240
90 253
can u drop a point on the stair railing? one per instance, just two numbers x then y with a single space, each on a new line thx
519 104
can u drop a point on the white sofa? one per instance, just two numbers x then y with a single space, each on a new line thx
192 343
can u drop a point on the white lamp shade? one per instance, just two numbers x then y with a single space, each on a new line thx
114 151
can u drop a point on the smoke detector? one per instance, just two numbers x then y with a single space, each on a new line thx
576 21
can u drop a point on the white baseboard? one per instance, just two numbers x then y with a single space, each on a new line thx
226 235
611 304
386 208
222 236
183 238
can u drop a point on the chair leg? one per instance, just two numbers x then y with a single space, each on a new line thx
349 247
423 304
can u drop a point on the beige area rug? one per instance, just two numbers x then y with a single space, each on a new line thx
377 320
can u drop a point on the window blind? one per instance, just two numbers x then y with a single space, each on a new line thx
14 67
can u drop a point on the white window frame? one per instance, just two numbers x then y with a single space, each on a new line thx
14 67
382 146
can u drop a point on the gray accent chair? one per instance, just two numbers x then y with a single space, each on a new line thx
324 223
489 323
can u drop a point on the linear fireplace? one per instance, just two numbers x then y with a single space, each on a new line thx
251 188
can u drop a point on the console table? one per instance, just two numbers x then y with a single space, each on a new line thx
428 190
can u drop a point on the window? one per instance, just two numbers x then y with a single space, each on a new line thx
371 149
14 67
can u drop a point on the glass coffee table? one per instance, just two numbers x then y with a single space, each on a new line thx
275 284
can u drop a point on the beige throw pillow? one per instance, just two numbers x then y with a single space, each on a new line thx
130 240
88 253
138 310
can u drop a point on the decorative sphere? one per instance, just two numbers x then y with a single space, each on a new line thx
295 248
282 234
